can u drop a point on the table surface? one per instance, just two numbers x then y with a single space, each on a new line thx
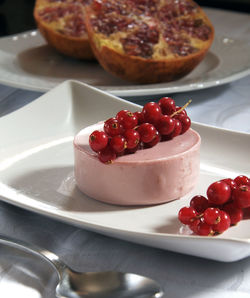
225 106
23 275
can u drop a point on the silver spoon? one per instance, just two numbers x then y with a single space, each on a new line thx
108 284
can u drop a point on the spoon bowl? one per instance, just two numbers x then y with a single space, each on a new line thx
109 284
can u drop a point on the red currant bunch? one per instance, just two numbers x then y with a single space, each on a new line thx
127 131
227 202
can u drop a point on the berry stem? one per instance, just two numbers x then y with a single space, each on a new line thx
181 109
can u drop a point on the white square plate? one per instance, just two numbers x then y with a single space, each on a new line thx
36 173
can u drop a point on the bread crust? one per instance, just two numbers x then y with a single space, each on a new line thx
144 70
76 47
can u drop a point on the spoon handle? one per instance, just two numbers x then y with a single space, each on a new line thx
50 257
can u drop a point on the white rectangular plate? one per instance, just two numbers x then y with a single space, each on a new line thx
36 173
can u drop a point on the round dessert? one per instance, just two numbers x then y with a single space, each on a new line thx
150 176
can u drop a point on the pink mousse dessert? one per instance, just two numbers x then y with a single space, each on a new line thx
156 175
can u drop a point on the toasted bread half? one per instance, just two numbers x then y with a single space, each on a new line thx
61 22
148 41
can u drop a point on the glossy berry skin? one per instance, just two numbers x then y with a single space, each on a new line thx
223 224
107 155
242 180
246 213
133 150
204 229
127 119
151 112
218 193
177 129
193 226
118 144
185 122
147 132
235 213
127 131
132 138
231 183
112 127
182 112
186 215
98 140
167 105
165 125
228 203
155 140
241 196
140 118
211 216
199 203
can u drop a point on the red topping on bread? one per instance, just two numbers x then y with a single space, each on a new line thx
148 41
61 22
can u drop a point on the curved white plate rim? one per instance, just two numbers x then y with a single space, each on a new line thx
19 199
66 217
214 67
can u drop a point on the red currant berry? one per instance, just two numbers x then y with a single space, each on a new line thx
132 138
235 213
204 229
155 141
140 118
246 213
177 129
118 144
127 119
199 203
193 226
182 112
185 122
241 196
107 155
230 182
147 132
133 150
98 140
241 180
186 215
218 193
151 112
211 216
165 125
167 105
223 224
112 127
